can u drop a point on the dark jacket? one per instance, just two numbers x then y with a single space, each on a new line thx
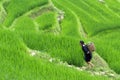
87 53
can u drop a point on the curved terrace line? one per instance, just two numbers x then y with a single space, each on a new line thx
96 11
104 30
106 12
80 9
26 14
81 30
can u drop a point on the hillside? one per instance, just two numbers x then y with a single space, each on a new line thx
39 39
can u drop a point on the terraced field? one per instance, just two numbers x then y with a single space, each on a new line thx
39 39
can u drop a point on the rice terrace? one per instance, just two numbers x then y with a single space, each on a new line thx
40 39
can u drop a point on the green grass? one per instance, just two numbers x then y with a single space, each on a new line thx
92 11
65 48
69 25
2 13
1 27
94 27
24 23
101 8
114 6
46 21
16 8
19 33
90 22
16 64
108 47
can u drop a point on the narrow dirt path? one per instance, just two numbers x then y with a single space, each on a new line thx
101 68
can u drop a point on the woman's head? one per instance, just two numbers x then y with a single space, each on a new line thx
81 42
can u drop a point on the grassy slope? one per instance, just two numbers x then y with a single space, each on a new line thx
46 21
58 46
24 23
100 28
16 8
90 22
17 64
2 13
62 47
108 47
115 6
69 25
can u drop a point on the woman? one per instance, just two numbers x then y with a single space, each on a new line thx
87 53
